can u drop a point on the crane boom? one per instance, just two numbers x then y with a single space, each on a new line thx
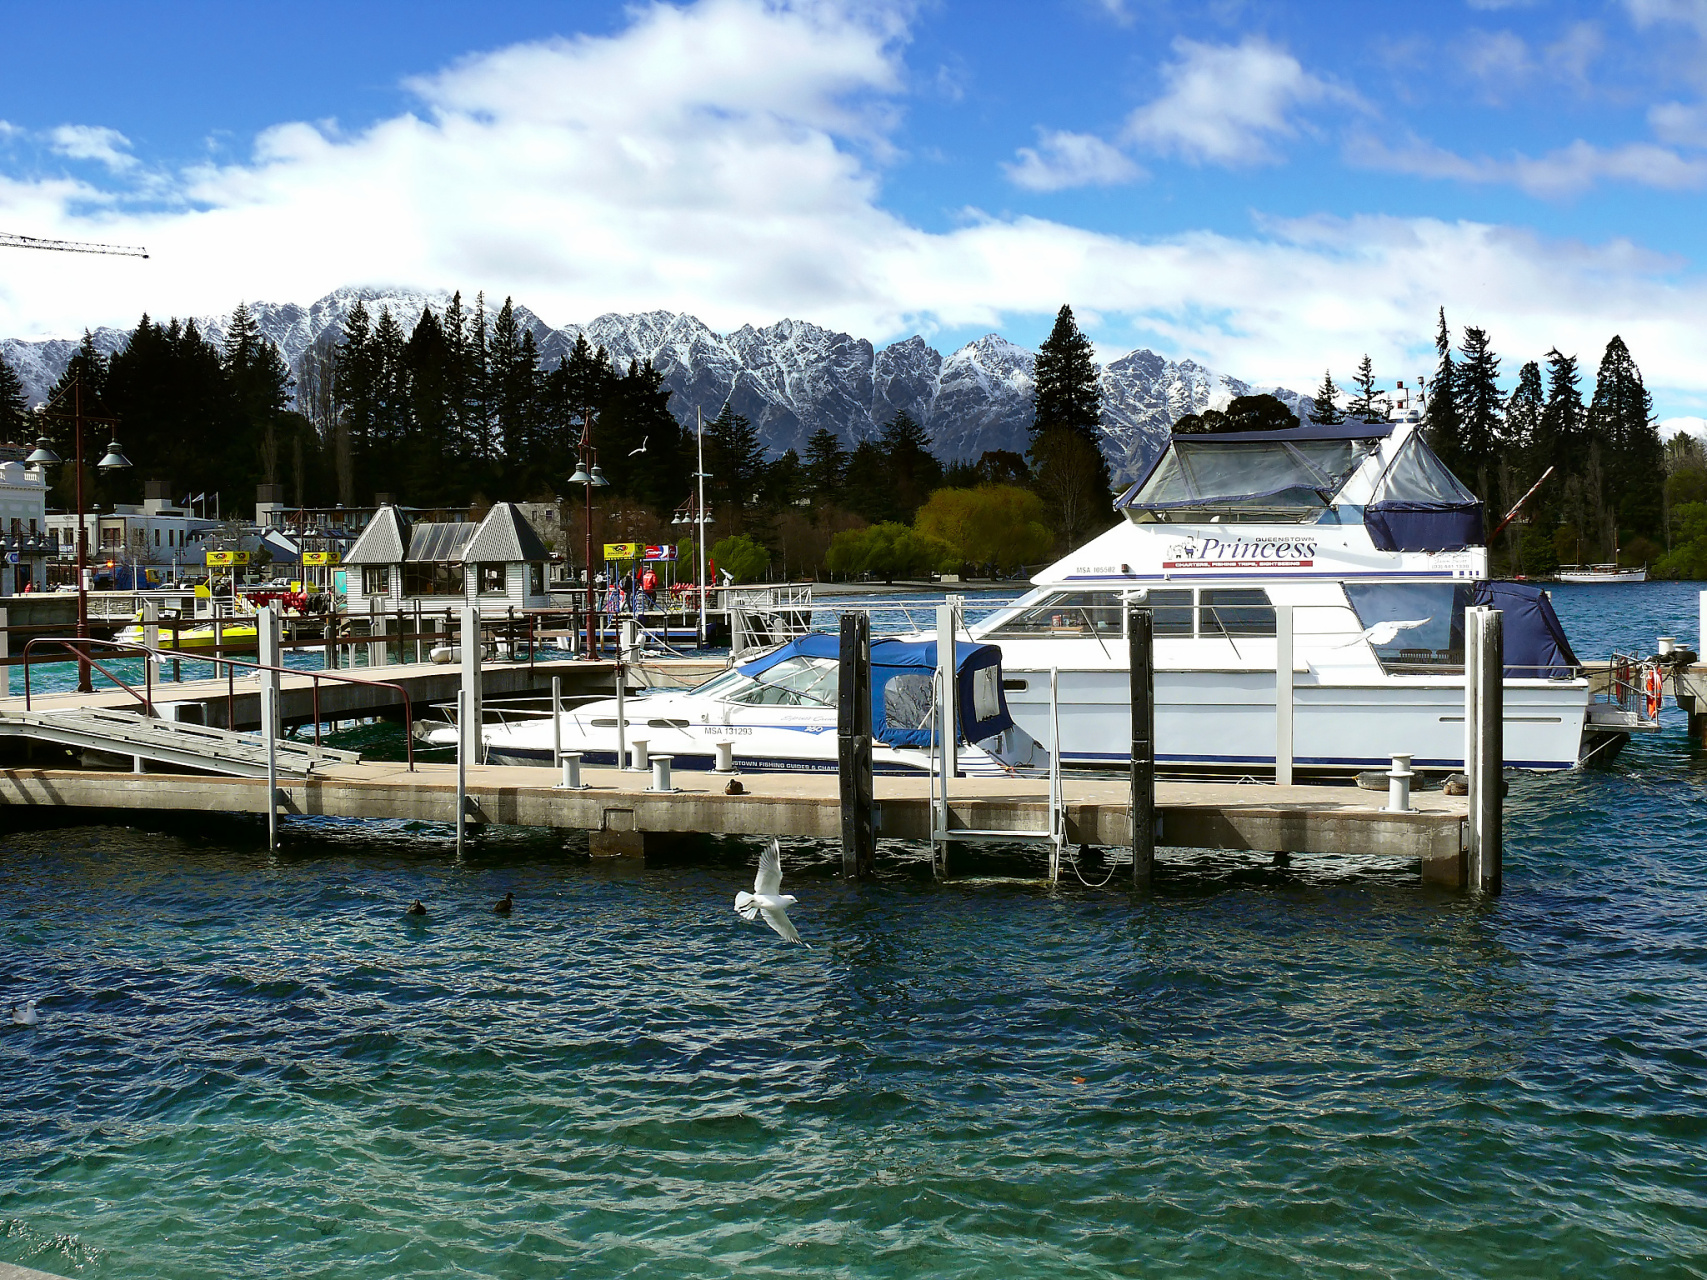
9 240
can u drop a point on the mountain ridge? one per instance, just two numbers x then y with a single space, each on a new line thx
790 377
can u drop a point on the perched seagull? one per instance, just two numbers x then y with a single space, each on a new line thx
416 910
642 448
767 898
502 907
1385 632
24 1015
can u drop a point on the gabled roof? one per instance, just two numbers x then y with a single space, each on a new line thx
383 540
504 537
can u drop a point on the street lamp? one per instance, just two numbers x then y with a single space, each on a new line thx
591 479
44 457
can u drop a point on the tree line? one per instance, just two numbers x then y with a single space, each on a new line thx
1606 492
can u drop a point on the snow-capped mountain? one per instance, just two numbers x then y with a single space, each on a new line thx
789 378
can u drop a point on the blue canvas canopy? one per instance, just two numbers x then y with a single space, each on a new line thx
902 673
1534 642
1419 505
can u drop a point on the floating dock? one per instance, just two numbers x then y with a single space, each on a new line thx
625 818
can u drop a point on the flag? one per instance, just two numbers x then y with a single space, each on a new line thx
186 501
201 497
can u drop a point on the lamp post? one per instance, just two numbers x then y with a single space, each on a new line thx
44 457
698 519
591 479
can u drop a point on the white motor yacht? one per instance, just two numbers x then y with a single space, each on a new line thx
778 711
1377 549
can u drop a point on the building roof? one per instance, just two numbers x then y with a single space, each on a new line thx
504 537
438 543
383 541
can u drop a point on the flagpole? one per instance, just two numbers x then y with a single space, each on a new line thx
699 419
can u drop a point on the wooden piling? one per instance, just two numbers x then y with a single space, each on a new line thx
1141 649
1487 783
853 747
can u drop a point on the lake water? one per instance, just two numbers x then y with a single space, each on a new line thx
256 1065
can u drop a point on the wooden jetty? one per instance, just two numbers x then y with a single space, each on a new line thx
625 818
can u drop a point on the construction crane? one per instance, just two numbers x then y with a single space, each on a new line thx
9 240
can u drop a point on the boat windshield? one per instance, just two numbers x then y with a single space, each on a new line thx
793 682
1290 480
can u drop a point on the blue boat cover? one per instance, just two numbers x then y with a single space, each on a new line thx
1424 526
1535 644
902 672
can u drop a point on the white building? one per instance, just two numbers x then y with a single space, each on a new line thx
23 526
157 534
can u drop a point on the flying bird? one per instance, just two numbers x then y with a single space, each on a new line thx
642 448
504 904
24 1015
767 898
1385 632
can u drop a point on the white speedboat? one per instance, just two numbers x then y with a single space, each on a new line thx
1376 548
778 711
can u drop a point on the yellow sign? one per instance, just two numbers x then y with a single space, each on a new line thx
622 550
227 558
321 557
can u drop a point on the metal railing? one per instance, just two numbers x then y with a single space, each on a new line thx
155 655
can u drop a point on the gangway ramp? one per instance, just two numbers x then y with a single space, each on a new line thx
168 742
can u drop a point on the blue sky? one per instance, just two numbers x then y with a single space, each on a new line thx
1270 188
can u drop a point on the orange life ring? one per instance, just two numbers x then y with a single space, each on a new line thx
1654 685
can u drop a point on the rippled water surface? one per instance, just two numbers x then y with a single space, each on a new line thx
255 1065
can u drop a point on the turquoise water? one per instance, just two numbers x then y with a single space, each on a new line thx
256 1065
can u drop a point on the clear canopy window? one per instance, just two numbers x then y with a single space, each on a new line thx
798 681
1417 475
1258 477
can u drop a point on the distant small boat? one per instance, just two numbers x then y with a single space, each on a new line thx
1603 573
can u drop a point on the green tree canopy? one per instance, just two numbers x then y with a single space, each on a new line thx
997 523
745 558
889 550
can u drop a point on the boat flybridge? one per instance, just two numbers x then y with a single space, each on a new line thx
1376 548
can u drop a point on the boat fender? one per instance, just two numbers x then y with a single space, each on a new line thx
1654 684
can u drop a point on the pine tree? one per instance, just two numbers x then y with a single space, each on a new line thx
15 422
262 382
1327 411
1364 405
1523 415
1067 406
1067 393
1440 417
1620 419
1481 411
826 466
735 460
912 469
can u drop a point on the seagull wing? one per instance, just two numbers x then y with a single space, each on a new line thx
768 884
777 918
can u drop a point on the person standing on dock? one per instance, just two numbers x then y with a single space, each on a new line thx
648 590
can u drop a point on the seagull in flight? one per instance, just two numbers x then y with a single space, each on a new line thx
767 898
1385 632
642 448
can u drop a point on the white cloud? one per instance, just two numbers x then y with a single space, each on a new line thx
1568 171
1681 124
92 142
725 159
1669 427
1063 160
1228 104
1647 13
1498 59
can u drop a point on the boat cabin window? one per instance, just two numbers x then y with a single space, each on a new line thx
1202 478
1415 628
1064 615
793 682
1170 613
1234 611
907 701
